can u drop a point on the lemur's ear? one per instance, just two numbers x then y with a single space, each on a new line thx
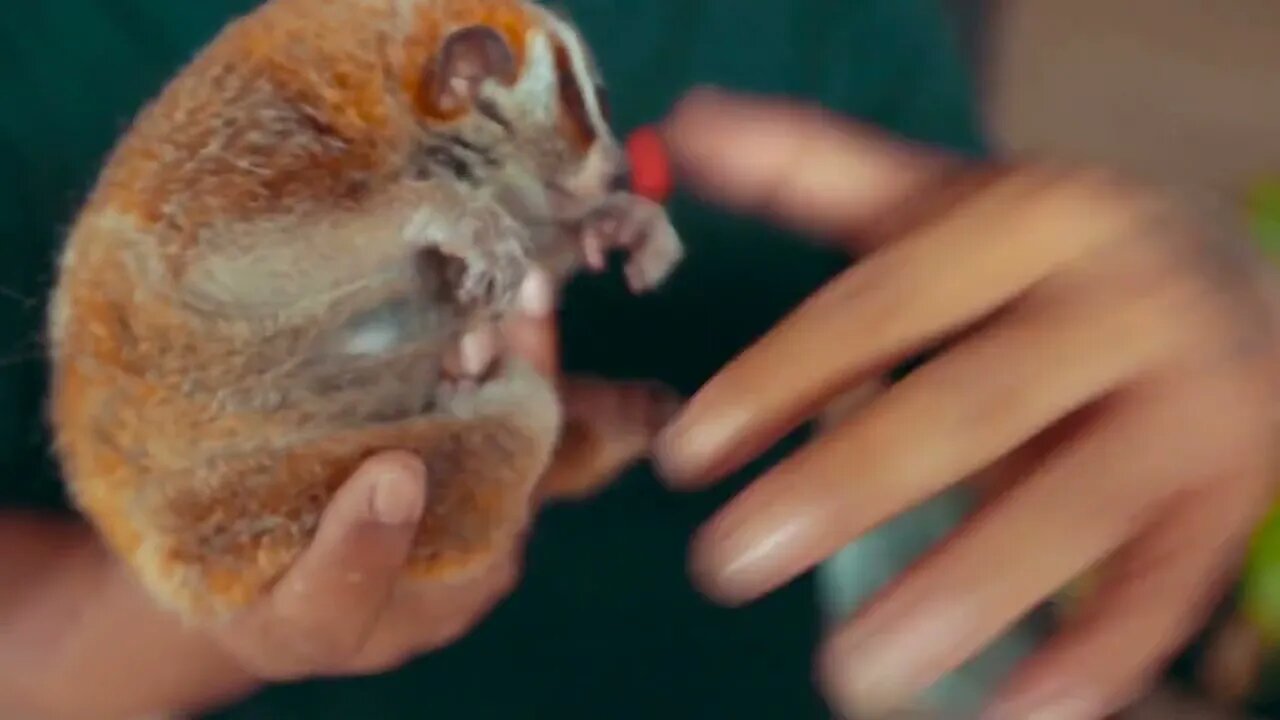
467 58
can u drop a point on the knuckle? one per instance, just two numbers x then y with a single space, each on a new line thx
1148 322
1116 199
1105 188
1106 206
1185 318
1146 307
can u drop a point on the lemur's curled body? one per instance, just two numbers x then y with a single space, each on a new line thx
282 252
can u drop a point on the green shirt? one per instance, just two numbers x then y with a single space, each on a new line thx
605 624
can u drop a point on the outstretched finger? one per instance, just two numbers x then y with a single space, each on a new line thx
869 469
809 169
936 283
1090 498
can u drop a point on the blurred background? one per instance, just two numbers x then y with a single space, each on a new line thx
1181 92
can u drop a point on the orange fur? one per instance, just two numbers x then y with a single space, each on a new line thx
511 19
191 430
286 55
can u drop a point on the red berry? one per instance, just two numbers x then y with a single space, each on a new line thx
651 175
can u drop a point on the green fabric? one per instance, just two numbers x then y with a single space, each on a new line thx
605 625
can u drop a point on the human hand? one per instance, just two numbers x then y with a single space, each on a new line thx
1110 366
343 609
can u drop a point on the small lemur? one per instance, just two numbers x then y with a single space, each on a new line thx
283 253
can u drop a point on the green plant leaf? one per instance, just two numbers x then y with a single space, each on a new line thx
1263 207
1260 592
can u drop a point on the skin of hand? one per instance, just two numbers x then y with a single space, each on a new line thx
80 639
1106 369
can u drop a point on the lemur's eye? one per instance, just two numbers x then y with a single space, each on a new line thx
571 99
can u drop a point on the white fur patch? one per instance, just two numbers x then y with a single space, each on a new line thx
574 44
425 227
536 89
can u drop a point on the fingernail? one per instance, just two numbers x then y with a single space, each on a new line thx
686 448
399 495
675 449
478 349
670 455
537 297
885 660
858 689
736 559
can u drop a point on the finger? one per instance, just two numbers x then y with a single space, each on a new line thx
320 612
895 304
1078 508
1151 597
1052 362
532 333
844 406
992 482
808 169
